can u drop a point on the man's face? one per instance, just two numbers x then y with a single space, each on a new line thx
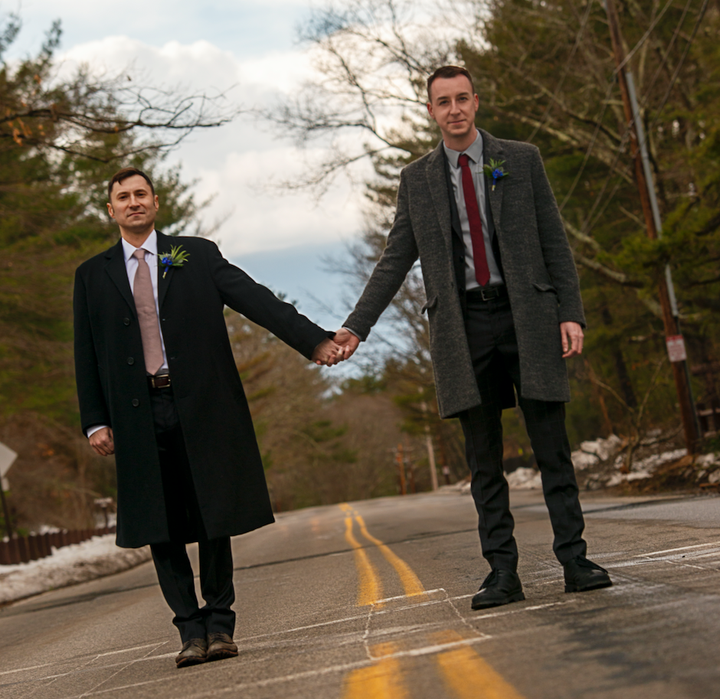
453 106
133 205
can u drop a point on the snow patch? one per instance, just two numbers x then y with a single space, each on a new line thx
653 462
68 565
591 453
524 479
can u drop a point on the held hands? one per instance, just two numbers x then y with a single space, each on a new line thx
327 353
341 347
348 342
572 339
102 442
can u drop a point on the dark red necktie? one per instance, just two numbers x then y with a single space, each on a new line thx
482 273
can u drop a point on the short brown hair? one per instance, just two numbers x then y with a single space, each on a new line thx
448 72
123 174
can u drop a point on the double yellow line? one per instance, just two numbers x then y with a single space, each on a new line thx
465 674
370 589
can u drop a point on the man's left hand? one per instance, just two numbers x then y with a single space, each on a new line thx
327 353
572 339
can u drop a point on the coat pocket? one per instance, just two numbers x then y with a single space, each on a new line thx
545 287
429 304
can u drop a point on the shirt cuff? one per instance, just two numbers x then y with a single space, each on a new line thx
345 327
93 429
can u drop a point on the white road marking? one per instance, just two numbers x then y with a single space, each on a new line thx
681 548
332 669
117 672
419 594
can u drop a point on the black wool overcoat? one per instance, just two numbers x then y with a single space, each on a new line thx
209 397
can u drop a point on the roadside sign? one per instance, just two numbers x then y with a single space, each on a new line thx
7 458
676 348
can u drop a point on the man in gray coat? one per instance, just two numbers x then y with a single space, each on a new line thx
504 308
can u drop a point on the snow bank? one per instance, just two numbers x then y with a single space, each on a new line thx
524 479
593 452
68 565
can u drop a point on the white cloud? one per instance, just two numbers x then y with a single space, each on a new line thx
233 162
273 220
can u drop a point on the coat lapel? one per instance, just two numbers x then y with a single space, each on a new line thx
437 182
163 246
492 150
118 273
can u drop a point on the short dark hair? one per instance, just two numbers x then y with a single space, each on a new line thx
123 174
448 72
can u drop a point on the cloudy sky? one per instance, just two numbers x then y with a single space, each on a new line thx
250 49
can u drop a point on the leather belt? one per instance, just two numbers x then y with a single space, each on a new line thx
159 381
487 293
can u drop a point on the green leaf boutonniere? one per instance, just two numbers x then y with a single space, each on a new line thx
177 257
496 171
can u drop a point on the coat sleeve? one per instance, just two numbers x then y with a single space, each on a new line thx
390 271
258 304
93 407
556 250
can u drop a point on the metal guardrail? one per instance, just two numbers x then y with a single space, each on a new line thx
23 549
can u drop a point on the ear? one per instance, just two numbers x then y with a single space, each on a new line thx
156 202
110 210
430 110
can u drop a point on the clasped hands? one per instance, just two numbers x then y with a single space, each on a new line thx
333 351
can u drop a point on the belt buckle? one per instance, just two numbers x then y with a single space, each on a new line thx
490 293
160 381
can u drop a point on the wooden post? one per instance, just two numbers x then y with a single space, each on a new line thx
401 468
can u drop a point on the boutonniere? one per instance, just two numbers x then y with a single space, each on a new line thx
177 257
495 170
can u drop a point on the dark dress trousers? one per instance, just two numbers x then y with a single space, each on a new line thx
188 464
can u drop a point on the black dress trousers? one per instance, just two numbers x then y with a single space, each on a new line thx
494 350
174 572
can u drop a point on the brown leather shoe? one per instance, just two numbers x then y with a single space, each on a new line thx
193 652
220 646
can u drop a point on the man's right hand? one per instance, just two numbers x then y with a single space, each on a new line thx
347 341
102 442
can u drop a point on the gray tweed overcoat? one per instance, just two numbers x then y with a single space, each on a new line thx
537 262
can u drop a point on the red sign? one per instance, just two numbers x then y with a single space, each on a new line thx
676 348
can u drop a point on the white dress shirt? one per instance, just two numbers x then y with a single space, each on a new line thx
131 265
475 154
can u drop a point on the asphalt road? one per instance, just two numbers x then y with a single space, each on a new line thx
371 600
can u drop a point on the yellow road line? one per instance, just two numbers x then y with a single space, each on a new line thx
467 675
384 680
370 587
410 582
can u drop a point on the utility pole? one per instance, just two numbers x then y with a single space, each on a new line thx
646 188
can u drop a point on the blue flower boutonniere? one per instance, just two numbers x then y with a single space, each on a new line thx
496 171
177 257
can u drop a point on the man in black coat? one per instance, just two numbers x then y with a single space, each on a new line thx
504 309
159 388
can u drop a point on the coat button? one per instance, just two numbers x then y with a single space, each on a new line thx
131 361
135 402
126 321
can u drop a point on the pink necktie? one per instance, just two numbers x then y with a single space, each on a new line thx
482 272
147 315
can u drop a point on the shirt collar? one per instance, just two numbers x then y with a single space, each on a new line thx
150 245
474 151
